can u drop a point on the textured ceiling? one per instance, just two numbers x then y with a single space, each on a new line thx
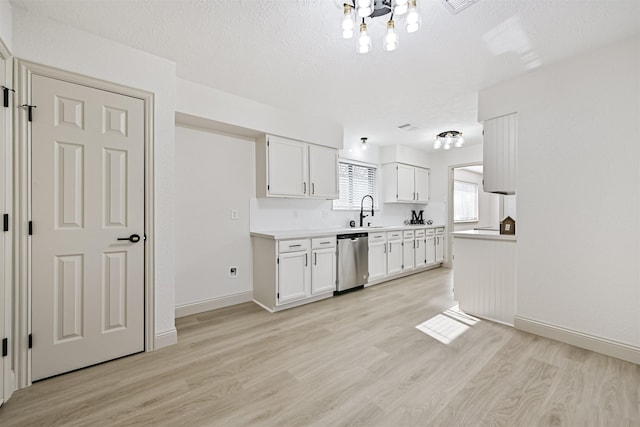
290 54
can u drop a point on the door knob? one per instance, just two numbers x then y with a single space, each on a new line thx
134 238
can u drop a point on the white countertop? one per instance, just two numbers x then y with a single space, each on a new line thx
320 232
484 234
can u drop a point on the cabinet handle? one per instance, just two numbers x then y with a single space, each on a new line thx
305 187
325 243
315 258
294 246
417 196
390 247
306 259
414 195
313 188
385 248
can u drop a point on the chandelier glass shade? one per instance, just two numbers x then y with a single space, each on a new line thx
447 140
356 10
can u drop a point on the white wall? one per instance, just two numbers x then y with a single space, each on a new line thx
214 174
6 24
47 42
578 190
205 102
488 203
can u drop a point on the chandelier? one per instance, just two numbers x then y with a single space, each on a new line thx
450 138
361 9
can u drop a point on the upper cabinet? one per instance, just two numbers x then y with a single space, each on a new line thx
289 168
405 184
500 154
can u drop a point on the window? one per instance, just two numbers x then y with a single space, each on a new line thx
465 201
355 182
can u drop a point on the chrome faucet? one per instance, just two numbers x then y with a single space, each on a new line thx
362 215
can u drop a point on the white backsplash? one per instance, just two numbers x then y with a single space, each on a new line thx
299 214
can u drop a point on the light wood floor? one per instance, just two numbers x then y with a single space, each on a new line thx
356 359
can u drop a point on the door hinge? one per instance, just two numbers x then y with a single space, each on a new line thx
5 222
5 347
30 228
30 340
29 111
5 96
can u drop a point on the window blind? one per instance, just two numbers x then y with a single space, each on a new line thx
465 201
355 181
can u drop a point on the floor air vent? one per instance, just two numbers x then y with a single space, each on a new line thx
456 6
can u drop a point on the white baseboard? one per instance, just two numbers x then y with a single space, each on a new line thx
611 348
166 338
212 303
263 306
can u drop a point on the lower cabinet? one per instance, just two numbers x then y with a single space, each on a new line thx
439 245
323 270
420 249
430 249
294 276
408 251
377 256
394 253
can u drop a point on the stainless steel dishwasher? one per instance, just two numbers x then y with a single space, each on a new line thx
353 261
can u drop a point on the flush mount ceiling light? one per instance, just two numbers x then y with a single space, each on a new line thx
363 145
361 9
448 139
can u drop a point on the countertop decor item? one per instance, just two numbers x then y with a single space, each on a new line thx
508 226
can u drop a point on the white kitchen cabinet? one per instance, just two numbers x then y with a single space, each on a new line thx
323 172
405 183
421 179
500 154
431 250
289 168
394 253
323 271
377 256
294 276
420 249
408 251
439 246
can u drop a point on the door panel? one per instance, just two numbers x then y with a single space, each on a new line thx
287 167
394 257
405 189
421 252
431 250
422 185
323 271
87 191
4 280
323 172
377 260
408 255
293 272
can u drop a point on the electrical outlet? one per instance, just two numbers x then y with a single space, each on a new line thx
234 214
233 272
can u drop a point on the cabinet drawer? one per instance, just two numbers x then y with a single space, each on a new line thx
377 237
430 232
408 234
440 230
293 245
419 233
323 242
394 235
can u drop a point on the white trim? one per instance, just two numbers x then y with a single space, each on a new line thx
196 307
23 71
358 162
263 306
602 345
166 338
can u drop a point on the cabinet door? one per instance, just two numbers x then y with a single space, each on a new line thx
421 252
323 271
422 184
500 155
377 260
439 249
405 190
287 162
431 250
394 257
323 172
293 276
408 255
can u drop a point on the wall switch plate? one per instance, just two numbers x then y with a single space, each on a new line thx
234 214
233 272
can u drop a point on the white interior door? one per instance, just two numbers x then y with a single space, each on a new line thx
87 193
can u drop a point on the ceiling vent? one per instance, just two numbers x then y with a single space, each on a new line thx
408 127
457 6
